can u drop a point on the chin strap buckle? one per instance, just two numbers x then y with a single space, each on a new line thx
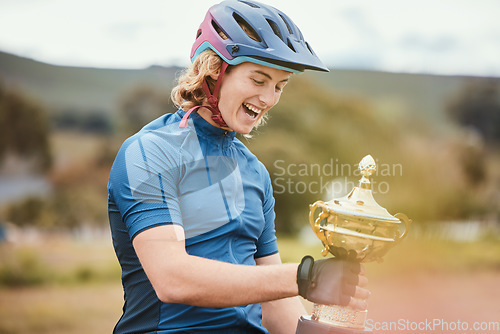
213 100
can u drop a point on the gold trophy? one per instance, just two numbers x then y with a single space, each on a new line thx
357 228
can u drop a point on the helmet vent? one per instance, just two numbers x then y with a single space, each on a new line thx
287 25
290 45
250 4
247 28
198 33
219 30
275 28
309 48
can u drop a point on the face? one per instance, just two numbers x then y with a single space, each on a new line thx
247 93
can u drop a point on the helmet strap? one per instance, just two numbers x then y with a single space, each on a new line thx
213 101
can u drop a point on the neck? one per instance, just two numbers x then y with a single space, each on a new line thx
206 114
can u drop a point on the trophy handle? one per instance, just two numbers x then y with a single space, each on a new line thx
315 223
407 222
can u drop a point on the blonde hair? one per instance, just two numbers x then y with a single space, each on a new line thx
189 92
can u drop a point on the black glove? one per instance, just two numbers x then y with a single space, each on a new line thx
328 281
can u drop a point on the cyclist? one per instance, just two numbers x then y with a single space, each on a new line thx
191 209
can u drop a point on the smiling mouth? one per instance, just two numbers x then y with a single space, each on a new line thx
251 110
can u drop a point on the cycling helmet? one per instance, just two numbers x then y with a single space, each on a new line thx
249 31
243 30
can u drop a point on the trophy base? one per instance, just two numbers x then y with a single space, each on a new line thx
308 326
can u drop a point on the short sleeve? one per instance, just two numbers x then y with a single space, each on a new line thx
143 183
267 243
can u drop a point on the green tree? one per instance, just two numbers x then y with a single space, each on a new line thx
24 128
478 106
313 126
140 106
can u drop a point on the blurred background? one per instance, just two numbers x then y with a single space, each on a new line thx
416 85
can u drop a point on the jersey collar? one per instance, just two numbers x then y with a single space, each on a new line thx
208 130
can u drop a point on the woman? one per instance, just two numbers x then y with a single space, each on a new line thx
191 208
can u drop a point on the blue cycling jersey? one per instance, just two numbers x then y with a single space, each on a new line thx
202 178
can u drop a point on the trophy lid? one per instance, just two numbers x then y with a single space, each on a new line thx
360 202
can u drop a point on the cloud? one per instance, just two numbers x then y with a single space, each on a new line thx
358 20
448 36
440 43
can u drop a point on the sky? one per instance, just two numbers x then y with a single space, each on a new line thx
426 36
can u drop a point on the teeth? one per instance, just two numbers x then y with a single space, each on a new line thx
252 108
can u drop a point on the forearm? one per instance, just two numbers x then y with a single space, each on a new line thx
203 282
178 277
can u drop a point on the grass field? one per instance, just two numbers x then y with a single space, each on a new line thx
74 309
75 287
64 285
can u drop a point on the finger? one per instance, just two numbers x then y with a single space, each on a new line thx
362 269
362 281
355 291
362 293
358 305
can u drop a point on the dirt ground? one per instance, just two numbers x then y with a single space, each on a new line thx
431 301
60 310
408 296
436 303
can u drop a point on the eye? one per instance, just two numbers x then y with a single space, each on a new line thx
280 87
258 82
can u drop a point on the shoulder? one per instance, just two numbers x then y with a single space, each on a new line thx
162 135
252 159
156 145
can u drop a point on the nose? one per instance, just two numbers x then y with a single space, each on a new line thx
267 97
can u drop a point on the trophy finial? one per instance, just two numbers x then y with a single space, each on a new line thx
367 167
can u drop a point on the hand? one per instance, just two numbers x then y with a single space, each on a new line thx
333 282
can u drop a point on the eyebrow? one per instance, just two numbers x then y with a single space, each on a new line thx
268 76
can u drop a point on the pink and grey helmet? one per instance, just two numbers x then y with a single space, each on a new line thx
248 31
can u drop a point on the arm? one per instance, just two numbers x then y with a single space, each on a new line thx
178 277
280 316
